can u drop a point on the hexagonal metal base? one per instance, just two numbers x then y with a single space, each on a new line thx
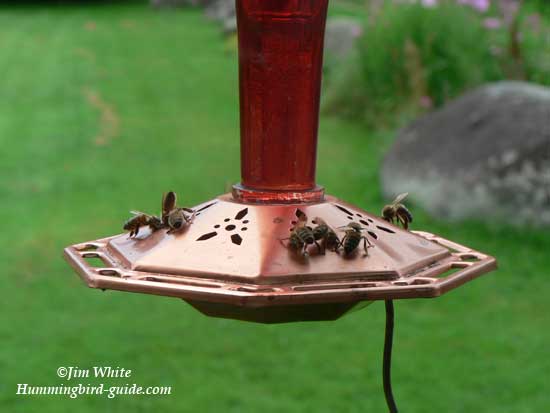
231 263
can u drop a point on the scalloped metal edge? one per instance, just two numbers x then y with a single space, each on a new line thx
428 282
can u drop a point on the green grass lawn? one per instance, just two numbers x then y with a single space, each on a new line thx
102 109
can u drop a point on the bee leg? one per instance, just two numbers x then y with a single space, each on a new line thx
404 222
365 246
341 244
365 241
336 247
319 249
370 243
174 230
282 243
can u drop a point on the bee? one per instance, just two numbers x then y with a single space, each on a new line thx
353 238
324 232
302 235
396 212
140 220
173 217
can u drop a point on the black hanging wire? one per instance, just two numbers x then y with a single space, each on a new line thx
386 367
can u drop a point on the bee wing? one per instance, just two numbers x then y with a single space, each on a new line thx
168 202
301 215
138 213
399 198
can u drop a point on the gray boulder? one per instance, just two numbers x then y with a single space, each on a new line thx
485 155
341 36
221 10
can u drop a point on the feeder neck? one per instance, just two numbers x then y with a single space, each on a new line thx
280 64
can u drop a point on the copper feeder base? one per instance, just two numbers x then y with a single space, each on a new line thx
231 263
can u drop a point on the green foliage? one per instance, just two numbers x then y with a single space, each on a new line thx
536 57
542 6
413 57
534 40
104 109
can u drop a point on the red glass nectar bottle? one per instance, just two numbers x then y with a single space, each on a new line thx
280 67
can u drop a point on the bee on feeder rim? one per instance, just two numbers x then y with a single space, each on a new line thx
353 238
173 217
396 212
302 235
141 219
324 232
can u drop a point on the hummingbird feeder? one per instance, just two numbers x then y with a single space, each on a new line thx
230 262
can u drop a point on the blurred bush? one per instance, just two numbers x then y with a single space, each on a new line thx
415 55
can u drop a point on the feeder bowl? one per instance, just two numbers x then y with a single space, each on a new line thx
231 261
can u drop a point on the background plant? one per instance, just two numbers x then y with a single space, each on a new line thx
415 55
